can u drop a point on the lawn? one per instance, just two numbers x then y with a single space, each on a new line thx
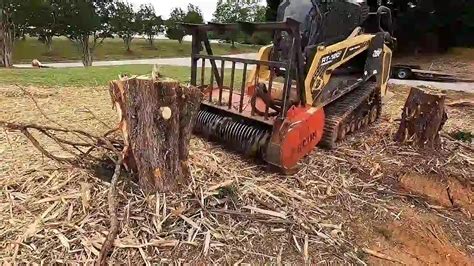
114 49
93 76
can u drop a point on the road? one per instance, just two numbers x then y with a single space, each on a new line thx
178 61
186 61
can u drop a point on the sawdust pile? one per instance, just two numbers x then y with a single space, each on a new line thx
337 209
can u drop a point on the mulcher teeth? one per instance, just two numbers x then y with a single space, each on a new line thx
245 138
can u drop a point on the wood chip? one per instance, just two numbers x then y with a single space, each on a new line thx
281 215
381 255
189 221
207 242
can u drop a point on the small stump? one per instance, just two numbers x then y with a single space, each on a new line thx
423 118
156 119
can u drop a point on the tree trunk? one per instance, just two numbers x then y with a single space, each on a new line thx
49 43
150 41
156 119
6 44
128 43
423 117
86 51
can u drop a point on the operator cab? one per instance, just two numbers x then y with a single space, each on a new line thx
322 23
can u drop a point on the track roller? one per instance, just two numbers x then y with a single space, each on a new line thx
350 113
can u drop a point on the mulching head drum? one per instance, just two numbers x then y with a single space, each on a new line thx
233 132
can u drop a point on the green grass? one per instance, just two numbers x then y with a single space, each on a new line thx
113 49
96 76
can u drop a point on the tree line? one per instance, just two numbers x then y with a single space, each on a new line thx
87 23
422 25
432 25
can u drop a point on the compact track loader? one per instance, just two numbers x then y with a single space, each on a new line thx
322 78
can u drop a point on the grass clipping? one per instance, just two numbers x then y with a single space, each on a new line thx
232 211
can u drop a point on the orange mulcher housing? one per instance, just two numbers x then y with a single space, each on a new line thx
268 119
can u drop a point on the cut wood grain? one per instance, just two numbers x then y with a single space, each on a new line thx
156 119
423 118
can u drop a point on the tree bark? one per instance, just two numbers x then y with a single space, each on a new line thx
156 119
7 39
128 43
86 51
49 43
423 118
150 41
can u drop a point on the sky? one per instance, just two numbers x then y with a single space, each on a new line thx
164 7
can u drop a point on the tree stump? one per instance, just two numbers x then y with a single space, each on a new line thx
156 119
422 118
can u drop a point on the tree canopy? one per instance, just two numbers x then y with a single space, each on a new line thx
422 25
86 23
43 20
240 11
150 24
125 23
173 30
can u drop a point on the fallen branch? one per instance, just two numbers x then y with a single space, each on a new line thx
114 223
80 158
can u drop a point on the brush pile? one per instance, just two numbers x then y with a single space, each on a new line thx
232 211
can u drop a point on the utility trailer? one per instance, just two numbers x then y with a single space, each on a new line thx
401 71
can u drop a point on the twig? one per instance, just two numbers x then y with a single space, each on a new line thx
381 255
457 141
25 91
42 150
96 141
113 231
96 118
78 133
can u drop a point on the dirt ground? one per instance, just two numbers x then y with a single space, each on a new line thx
457 61
370 201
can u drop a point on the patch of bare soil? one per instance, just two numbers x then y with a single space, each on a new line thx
459 61
416 239
447 193
369 194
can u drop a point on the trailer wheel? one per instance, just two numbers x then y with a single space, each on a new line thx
403 73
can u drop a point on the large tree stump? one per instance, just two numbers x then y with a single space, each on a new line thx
156 119
422 118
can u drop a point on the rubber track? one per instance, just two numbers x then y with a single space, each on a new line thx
339 110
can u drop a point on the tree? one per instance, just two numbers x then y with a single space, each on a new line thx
150 24
86 24
124 23
259 14
235 11
271 10
43 20
193 15
173 30
13 15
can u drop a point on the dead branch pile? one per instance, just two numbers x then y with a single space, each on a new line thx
231 211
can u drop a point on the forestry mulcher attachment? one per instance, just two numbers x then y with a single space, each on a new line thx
321 79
